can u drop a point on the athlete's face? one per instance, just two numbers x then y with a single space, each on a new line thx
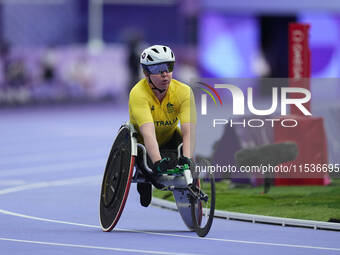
161 80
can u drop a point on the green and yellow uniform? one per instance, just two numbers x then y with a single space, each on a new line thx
178 105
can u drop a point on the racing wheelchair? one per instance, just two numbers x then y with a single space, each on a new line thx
194 192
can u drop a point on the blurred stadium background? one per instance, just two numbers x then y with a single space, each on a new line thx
62 50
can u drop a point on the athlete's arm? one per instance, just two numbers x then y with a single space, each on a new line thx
148 132
139 110
187 117
188 133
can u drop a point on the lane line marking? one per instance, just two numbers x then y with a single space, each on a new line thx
245 242
172 235
93 247
47 220
90 178
38 185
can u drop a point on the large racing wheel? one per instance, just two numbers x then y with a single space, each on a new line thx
117 178
203 205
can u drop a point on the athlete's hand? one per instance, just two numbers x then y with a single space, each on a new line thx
163 165
184 160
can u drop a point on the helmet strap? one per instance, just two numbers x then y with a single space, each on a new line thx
161 91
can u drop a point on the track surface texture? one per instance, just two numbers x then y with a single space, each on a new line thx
51 164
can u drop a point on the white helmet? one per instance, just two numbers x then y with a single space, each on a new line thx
157 54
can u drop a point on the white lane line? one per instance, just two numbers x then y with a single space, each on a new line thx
93 247
47 220
243 242
91 178
38 185
172 235
97 163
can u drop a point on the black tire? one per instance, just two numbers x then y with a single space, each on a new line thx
202 212
117 180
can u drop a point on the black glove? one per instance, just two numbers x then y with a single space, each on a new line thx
163 165
184 160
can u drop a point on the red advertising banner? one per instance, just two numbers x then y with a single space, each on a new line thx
310 137
299 61
309 134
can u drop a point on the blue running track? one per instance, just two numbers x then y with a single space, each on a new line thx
51 164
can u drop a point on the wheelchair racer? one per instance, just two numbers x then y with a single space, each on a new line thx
157 104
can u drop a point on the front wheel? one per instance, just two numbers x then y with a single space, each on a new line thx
203 202
117 180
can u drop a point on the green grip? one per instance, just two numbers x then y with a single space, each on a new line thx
177 170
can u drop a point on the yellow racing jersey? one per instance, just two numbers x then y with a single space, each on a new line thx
178 105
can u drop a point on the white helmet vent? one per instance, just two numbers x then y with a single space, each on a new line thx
155 50
157 54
